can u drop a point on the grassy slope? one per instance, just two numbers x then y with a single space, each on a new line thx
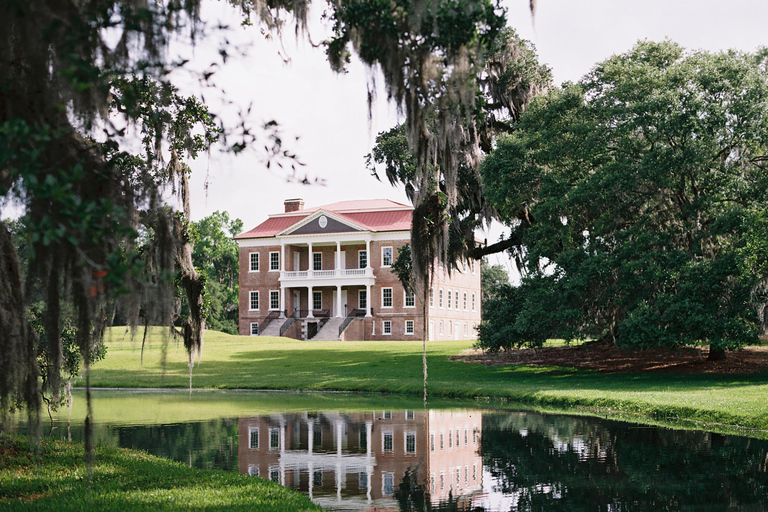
395 366
128 480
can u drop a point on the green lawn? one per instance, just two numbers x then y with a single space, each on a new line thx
230 362
128 480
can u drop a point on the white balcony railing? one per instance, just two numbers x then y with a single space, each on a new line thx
326 274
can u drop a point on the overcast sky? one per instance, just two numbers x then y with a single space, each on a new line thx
329 113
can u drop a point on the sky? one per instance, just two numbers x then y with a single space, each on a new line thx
324 116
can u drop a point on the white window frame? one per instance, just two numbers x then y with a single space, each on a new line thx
440 302
276 431
251 295
362 298
360 255
441 327
465 329
257 328
412 330
405 299
456 300
450 300
252 260
386 327
431 297
271 292
388 483
465 301
391 298
271 269
411 434
317 253
251 430
474 302
315 293
384 435
391 256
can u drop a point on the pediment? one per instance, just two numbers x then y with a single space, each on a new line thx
322 222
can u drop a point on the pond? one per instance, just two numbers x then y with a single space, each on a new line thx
369 452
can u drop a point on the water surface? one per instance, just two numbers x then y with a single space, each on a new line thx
362 452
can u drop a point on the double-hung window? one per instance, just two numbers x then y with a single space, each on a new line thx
386 297
253 300
456 300
440 299
409 327
431 297
386 256
450 299
274 261
274 300
253 262
409 299
317 300
386 327
254 328
362 299
465 301
362 259
317 261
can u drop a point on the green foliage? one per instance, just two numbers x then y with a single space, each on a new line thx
128 480
402 267
215 255
633 196
235 362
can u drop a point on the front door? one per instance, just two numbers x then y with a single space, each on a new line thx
296 260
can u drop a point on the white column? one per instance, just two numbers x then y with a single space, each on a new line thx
338 461
367 254
282 453
310 443
369 465
309 304
368 298
283 307
338 257
338 301
310 266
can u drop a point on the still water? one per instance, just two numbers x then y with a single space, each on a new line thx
362 453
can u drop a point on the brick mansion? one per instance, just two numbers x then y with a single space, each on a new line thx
326 273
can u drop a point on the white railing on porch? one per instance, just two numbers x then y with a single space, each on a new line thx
325 274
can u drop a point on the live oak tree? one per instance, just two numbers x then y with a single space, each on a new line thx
636 199
77 78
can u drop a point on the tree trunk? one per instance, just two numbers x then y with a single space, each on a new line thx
716 354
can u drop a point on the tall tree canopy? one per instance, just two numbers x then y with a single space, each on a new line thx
76 77
636 199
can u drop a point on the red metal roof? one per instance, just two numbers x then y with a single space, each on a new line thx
375 215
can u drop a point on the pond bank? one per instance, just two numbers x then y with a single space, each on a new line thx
717 402
127 480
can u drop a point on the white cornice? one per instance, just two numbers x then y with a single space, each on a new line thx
315 215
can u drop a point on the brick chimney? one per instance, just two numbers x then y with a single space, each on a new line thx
292 205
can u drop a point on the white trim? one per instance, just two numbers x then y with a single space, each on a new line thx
250 262
344 237
432 296
251 329
466 304
413 328
313 260
258 438
360 292
250 300
405 442
278 300
450 305
392 255
384 327
278 261
405 302
474 302
315 292
391 297
441 299
367 263
383 437
316 215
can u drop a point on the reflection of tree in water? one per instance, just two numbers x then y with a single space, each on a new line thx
206 444
560 463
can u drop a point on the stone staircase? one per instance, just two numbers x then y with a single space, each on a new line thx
272 328
330 331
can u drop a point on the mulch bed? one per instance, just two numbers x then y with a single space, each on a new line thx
609 359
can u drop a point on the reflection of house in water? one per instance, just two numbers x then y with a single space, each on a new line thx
357 460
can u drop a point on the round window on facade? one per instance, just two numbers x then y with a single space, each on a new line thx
323 221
